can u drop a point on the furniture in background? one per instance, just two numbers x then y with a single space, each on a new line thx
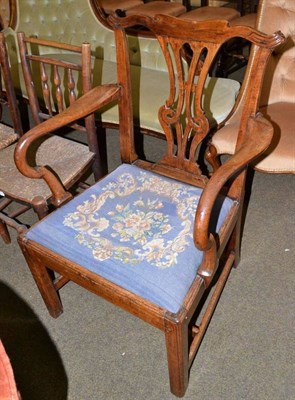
152 8
233 56
243 6
60 80
111 6
129 7
209 12
68 159
8 134
154 238
277 102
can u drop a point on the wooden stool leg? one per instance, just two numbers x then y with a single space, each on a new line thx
176 336
44 282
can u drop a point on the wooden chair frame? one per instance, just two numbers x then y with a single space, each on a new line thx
182 337
8 98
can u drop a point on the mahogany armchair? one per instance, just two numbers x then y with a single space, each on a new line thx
68 159
155 237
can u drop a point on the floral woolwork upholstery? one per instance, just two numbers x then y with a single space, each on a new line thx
135 228
155 238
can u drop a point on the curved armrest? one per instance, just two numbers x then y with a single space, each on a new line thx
257 139
85 105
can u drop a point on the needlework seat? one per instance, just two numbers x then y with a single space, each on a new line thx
155 238
134 228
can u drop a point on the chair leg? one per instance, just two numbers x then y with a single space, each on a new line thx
236 237
176 335
4 233
44 281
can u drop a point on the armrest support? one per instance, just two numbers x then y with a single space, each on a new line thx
257 139
85 105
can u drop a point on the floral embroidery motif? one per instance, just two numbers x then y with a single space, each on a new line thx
140 224
131 220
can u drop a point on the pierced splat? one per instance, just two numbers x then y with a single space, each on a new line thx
182 117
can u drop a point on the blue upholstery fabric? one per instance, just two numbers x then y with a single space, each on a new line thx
134 228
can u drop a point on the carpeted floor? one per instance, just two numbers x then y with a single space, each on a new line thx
95 351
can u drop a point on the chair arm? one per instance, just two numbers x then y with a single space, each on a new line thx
258 137
81 108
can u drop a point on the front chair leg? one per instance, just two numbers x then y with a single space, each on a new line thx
44 281
176 336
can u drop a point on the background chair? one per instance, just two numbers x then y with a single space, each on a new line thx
7 13
8 134
208 11
111 6
67 158
277 101
232 56
130 7
54 81
148 236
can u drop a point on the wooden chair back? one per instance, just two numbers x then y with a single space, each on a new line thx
182 117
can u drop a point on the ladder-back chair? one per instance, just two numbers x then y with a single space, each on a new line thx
154 237
68 159
54 81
